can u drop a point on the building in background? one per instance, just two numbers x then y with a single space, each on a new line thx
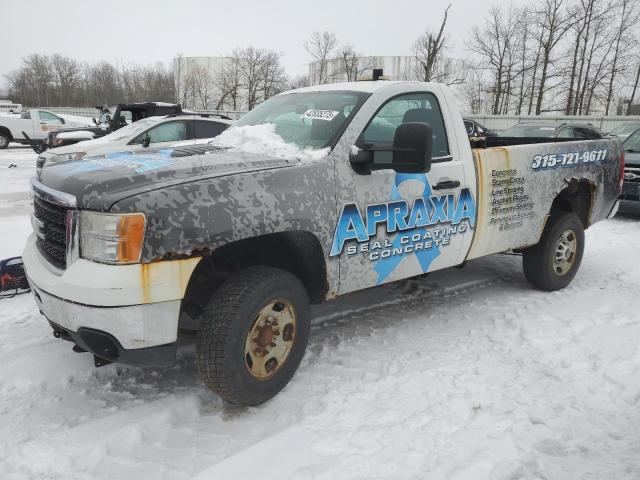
196 80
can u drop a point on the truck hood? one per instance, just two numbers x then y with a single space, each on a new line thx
99 182
632 159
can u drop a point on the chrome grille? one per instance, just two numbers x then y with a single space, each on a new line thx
52 235
54 222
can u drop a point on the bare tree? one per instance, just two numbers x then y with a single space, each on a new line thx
553 22
628 12
494 42
429 48
633 91
321 47
228 83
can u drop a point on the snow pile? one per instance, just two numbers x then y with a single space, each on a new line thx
263 139
75 120
83 134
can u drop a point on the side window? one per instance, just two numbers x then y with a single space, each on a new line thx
204 129
47 117
566 132
412 107
165 132
581 133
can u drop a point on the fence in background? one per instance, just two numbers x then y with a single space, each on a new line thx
92 112
494 122
502 122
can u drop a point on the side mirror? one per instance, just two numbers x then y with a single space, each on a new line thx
146 141
412 148
410 153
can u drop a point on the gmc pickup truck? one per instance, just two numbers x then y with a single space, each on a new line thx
315 193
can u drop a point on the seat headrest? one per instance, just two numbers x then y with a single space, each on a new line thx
418 115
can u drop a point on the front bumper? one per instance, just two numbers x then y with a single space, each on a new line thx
134 307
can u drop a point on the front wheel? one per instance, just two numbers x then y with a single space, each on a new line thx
253 334
4 140
554 261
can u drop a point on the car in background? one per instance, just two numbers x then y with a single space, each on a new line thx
624 130
583 131
477 132
630 197
153 133
32 126
111 118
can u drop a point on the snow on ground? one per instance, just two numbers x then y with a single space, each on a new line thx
461 375
14 180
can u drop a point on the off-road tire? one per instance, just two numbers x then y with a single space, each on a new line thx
226 322
538 261
4 140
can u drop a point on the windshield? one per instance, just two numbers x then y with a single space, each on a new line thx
632 143
529 131
625 129
307 120
130 130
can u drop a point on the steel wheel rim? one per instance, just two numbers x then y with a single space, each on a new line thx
565 253
270 339
3 141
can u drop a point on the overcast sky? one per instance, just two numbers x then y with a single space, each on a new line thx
148 31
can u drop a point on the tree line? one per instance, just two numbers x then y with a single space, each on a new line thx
61 81
572 57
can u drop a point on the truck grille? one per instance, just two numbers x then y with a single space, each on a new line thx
632 174
52 232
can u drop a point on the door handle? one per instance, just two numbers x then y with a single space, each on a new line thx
447 184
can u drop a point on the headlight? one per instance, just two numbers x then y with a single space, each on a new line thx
68 156
111 237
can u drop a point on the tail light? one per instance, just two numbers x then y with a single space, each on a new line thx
621 177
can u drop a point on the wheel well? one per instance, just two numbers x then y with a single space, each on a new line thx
6 131
576 197
299 253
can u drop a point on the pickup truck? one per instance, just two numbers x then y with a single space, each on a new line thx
315 193
36 124
111 119
630 198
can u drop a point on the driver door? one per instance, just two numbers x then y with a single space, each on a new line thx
396 225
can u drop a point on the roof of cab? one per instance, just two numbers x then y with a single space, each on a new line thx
364 86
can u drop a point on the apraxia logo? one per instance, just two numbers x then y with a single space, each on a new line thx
420 227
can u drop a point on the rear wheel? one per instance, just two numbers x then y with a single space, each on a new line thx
551 264
253 334
4 140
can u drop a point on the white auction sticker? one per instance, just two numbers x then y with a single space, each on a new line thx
314 114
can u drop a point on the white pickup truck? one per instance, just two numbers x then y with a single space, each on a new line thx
315 193
35 123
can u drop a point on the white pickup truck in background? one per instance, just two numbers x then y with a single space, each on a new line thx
36 124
